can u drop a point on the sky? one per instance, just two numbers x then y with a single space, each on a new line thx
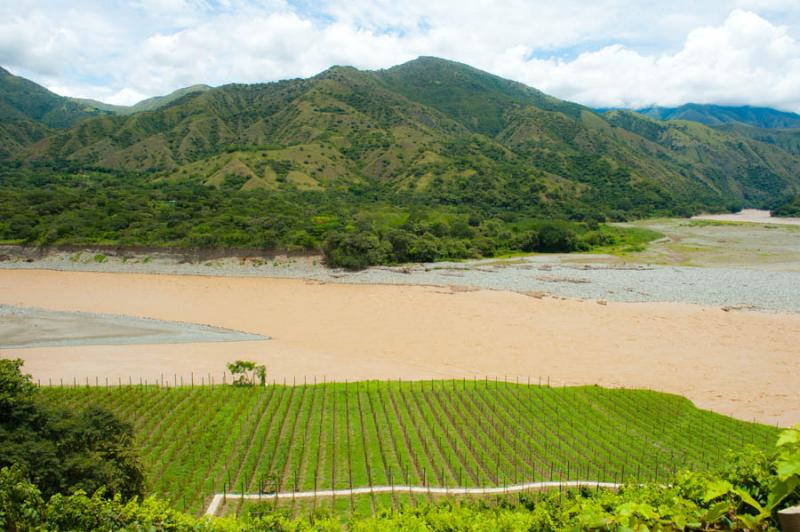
601 53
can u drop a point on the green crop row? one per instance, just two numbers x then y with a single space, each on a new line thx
198 441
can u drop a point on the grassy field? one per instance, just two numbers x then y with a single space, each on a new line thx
202 440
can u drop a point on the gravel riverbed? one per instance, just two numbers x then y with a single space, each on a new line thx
540 275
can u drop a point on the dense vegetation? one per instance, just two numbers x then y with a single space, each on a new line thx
63 450
355 227
281 438
790 208
424 161
716 115
743 494
197 441
23 100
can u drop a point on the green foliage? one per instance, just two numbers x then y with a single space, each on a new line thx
246 373
715 115
62 450
554 238
724 499
198 440
354 250
21 99
253 165
790 208
355 228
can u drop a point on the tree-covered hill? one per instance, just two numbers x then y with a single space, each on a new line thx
717 115
788 208
434 142
434 127
149 104
21 99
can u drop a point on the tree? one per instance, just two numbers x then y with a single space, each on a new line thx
555 238
245 373
354 251
60 450
21 504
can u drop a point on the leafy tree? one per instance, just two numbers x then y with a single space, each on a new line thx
245 373
61 450
790 208
355 250
555 238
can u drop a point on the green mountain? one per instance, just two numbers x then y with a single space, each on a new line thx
21 99
430 126
150 104
716 115
459 161
786 139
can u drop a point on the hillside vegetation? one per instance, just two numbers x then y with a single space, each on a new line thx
789 208
342 160
717 115
202 440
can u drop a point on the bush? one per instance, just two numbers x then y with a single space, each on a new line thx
354 251
63 451
424 248
555 238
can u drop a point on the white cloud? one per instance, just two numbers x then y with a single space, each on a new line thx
746 60
603 53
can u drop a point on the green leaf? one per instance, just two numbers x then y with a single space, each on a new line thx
780 491
749 500
789 436
715 512
717 488
751 522
788 469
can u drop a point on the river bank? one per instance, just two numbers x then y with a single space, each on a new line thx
739 363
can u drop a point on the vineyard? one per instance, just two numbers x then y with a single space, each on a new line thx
202 440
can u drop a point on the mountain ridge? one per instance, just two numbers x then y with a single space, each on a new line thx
428 126
718 115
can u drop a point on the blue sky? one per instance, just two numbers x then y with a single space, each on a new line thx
603 53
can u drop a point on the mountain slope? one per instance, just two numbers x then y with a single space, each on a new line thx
21 99
476 99
443 130
716 115
150 104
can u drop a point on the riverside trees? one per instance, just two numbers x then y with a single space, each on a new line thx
61 451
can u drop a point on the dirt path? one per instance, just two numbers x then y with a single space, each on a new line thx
740 363
220 498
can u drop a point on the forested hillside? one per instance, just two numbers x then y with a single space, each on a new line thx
717 115
447 154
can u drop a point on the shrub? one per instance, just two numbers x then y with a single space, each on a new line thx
63 451
555 238
246 373
354 251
